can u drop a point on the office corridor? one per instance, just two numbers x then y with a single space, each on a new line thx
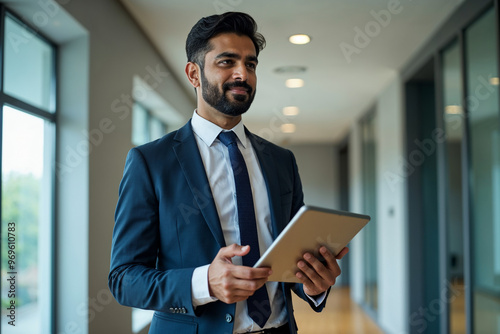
341 315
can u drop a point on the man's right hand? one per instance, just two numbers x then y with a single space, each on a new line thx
231 283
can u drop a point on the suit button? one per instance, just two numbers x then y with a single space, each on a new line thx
229 318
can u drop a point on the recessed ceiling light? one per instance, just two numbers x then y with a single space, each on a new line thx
288 128
494 81
294 83
291 111
453 110
299 39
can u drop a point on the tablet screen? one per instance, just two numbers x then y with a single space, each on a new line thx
311 228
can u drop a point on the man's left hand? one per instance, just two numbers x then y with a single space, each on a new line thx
318 276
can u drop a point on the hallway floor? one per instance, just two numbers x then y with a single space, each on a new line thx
340 316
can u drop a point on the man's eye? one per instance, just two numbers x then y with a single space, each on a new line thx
252 65
226 62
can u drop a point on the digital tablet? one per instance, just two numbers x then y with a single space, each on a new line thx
309 229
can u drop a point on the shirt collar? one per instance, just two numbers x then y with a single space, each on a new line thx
208 131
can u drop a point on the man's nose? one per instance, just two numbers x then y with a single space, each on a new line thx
240 73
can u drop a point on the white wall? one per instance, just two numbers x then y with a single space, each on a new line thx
391 220
356 205
391 210
318 169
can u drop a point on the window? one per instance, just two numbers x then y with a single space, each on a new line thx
146 126
28 120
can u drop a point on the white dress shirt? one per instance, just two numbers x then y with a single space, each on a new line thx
215 157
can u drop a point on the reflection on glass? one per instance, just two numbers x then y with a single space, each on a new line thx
369 206
26 217
482 104
453 120
28 66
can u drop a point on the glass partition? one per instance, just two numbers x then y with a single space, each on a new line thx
483 121
453 115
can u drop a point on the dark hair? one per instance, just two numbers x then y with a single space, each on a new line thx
197 42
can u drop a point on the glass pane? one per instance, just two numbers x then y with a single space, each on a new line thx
156 128
140 128
28 66
482 105
27 157
370 208
453 121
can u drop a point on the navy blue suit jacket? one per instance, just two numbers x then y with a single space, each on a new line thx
166 225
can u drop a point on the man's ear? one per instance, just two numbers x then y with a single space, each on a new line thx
193 74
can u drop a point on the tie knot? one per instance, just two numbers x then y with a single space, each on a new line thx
227 138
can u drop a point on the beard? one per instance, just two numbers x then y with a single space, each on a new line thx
218 99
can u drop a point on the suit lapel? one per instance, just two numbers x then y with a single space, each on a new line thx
270 173
190 161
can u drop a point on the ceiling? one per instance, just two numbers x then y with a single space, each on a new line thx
339 85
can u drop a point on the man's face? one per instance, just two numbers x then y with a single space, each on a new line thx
228 80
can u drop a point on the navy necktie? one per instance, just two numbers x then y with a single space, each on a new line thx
259 308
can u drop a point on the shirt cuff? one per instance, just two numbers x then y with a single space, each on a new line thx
318 299
200 294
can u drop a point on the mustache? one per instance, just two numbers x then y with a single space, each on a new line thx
243 84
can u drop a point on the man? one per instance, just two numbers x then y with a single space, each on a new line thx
198 206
